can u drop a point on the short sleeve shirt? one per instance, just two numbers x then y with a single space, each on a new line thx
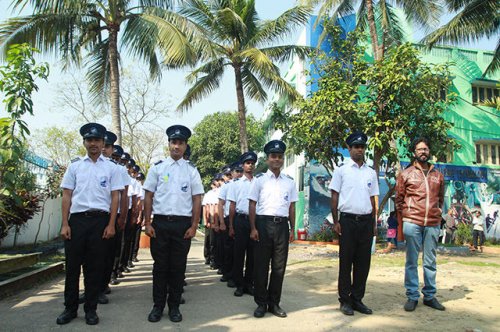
355 186
273 194
238 193
174 183
91 183
223 195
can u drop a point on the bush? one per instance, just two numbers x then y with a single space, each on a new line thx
15 214
463 234
325 234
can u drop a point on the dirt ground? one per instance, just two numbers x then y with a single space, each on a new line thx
468 286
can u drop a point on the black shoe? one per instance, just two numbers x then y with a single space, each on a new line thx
248 290
219 271
114 281
126 269
260 311
135 260
434 303
91 318
238 292
155 314
102 299
207 261
120 275
107 290
277 311
183 300
66 317
130 264
346 309
410 305
224 278
362 308
81 298
231 283
185 283
175 315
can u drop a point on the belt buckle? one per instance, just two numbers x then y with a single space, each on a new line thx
277 220
358 217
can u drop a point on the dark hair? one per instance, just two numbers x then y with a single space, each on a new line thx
418 140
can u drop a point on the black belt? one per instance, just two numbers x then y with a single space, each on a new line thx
356 217
242 215
161 217
92 213
276 220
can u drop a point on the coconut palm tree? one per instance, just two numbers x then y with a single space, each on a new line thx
88 31
474 19
234 37
380 17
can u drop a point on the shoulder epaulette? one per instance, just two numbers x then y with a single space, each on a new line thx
158 162
75 160
258 175
234 180
191 164
113 161
288 176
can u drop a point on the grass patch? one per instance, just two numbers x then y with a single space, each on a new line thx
479 264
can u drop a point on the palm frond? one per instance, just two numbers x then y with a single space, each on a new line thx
231 25
494 66
284 53
98 74
389 22
253 88
425 13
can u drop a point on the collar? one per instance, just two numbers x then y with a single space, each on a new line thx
417 165
271 174
170 161
100 158
244 178
353 163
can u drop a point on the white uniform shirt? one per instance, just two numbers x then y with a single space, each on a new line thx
125 178
210 197
132 190
355 186
92 183
273 194
238 193
223 195
173 184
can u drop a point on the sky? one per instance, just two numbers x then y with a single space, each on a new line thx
173 83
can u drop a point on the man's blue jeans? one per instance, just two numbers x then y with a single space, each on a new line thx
425 238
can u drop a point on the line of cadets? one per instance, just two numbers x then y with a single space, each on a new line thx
106 201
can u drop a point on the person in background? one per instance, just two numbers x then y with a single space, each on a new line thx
478 229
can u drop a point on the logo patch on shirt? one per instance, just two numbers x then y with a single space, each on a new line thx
286 198
184 187
102 182
165 178
369 184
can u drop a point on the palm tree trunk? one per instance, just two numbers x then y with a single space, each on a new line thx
241 109
373 30
115 82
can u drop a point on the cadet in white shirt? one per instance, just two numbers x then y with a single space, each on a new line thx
89 206
208 205
354 187
239 226
271 206
173 194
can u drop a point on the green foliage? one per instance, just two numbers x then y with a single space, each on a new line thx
17 83
215 142
392 101
325 234
58 144
463 234
54 179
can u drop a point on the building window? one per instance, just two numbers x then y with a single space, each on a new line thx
488 153
480 94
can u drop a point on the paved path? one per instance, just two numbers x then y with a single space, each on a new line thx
210 305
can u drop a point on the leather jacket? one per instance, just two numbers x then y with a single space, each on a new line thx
420 197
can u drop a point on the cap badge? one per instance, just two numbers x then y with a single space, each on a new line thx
276 146
93 130
177 131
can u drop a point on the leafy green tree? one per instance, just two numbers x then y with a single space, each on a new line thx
58 144
235 37
474 19
349 93
89 29
380 18
215 142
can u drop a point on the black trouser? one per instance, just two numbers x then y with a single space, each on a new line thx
272 247
220 239
355 255
137 240
128 238
110 258
85 248
227 268
119 237
477 235
169 250
243 248
208 249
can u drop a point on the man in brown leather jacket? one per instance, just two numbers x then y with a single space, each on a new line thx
419 202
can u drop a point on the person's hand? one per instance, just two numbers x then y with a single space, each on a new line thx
222 227
216 228
207 225
190 233
150 231
109 232
231 231
254 235
337 228
292 236
121 223
66 233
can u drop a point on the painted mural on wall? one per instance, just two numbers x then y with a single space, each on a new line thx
466 188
